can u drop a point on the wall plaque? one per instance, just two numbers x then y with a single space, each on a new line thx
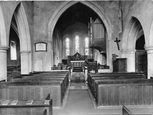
41 47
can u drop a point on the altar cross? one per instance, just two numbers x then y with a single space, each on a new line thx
117 42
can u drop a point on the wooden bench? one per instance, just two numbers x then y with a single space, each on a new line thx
93 80
49 76
116 76
26 107
124 92
33 91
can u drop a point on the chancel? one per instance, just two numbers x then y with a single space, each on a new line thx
76 57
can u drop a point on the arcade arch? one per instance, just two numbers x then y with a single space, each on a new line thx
133 39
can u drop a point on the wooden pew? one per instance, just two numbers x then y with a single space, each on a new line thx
116 75
32 91
124 92
37 86
26 107
101 77
127 74
49 76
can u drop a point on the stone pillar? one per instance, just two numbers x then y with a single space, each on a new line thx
3 63
25 63
149 50
130 55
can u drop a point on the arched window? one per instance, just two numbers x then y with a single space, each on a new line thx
86 45
13 50
77 44
67 44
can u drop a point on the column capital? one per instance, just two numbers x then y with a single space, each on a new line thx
4 47
25 52
149 49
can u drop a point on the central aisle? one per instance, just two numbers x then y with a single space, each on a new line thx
79 102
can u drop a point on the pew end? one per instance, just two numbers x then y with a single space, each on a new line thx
125 111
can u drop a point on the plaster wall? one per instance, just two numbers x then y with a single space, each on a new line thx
43 12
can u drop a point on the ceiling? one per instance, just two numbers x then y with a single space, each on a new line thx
76 13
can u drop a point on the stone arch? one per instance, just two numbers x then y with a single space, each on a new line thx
130 35
25 40
3 37
149 49
63 7
151 35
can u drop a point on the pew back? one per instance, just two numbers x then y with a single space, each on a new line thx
129 92
35 107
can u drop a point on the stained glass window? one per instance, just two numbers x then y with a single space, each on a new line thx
77 44
86 46
67 44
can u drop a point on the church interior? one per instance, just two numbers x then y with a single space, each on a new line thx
79 57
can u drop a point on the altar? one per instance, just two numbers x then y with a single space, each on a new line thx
77 60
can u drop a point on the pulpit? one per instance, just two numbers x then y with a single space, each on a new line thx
120 65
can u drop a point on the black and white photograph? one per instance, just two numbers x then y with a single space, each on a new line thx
76 57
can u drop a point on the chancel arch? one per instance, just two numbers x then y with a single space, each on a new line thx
64 7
